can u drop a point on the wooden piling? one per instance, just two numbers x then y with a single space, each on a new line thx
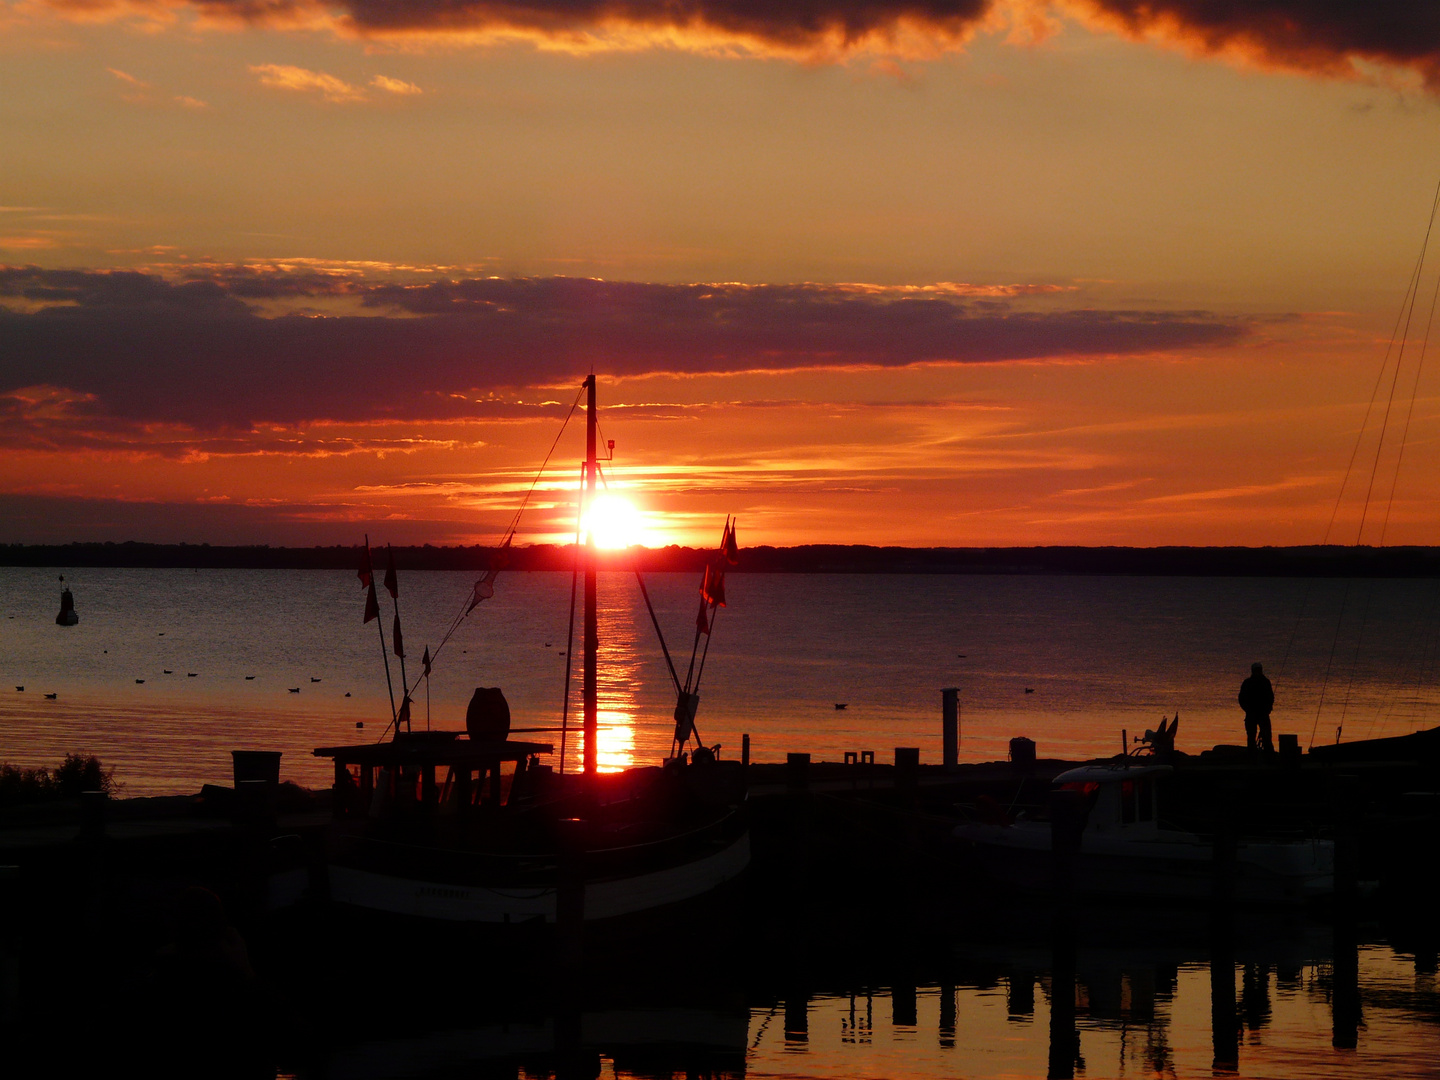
950 725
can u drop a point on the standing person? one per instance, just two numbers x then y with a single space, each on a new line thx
1257 698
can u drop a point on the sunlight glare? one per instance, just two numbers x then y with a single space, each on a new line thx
616 522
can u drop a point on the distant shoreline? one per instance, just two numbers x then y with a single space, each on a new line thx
1313 561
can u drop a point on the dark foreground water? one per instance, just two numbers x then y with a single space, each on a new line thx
1068 661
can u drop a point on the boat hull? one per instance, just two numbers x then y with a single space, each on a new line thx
603 899
1180 869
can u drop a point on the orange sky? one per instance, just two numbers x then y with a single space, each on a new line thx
960 273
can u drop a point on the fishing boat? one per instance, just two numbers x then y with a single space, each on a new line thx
1124 851
453 826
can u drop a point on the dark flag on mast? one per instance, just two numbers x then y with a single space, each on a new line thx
392 583
702 623
366 574
728 547
399 641
426 661
372 603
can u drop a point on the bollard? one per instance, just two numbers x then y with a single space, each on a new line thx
950 725
797 771
907 767
1345 806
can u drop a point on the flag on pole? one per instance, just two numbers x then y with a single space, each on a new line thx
729 547
713 587
392 584
366 575
399 641
426 661
702 624
372 604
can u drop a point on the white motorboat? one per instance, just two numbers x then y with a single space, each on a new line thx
1125 852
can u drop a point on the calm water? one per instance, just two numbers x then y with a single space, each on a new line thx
1099 654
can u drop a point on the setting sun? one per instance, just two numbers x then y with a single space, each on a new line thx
615 521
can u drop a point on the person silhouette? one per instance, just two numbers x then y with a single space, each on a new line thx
1257 698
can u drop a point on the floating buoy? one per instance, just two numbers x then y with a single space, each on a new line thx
68 615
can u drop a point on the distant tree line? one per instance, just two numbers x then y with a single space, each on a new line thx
1315 561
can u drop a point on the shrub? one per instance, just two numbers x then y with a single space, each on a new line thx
77 773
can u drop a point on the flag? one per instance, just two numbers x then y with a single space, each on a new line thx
392 585
366 575
702 624
713 587
372 605
399 641
426 661
728 547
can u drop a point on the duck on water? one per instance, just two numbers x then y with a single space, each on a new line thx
453 826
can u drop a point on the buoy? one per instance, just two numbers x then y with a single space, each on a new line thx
68 615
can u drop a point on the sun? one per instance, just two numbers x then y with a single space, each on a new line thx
615 521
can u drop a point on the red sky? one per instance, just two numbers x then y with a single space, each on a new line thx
961 273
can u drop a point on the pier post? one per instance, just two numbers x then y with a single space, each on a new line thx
745 750
1067 824
950 725
1345 801
1225 845
570 893
10 921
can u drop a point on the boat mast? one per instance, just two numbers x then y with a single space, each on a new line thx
592 636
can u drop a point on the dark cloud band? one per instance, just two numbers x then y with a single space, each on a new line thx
142 347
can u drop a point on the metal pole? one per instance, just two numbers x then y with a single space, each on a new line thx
950 725
592 635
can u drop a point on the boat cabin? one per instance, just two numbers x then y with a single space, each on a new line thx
428 770
1121 797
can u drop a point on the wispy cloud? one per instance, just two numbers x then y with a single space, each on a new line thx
395 86
126 77
302 80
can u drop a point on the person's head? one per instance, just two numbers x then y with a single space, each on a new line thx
1255 669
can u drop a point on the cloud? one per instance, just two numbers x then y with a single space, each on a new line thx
394 86
289 77
197 351
1324 37
190 102
130 80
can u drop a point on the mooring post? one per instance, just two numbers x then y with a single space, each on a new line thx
950 725
570 893
1345 803
10 922
745 750
1067 825
1225 845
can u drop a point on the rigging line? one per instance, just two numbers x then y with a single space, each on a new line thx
651 607
515 522
1415 387
570 635
1325 680
1379 451
1399 362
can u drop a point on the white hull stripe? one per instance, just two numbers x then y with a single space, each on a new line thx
474 903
